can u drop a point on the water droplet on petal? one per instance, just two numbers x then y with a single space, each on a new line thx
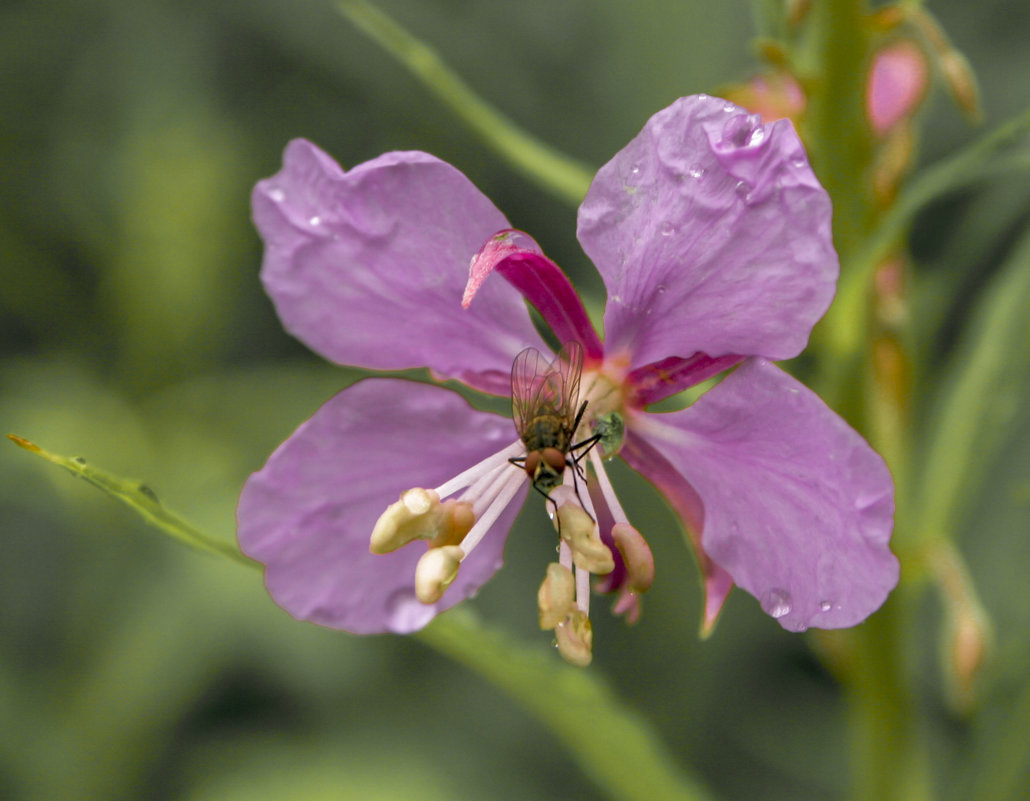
667 229
742 131
277 195
316 220
777 603
696 171
661 289
635 170
743 189
825 606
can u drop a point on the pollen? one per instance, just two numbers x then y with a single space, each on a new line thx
435 571
575 639
557 596
419 514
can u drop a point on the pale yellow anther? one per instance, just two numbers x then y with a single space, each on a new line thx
575 638
557 595
456 520
580 531
419 514
636 555
435 571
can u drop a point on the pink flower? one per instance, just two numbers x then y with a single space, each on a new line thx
713 239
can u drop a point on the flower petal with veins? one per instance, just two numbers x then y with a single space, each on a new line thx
309 512
797 507
712 234
366 267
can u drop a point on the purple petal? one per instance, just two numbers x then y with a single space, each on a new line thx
716 582
309 512
712 234
367 267
797 507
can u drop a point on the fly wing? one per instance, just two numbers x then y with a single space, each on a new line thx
528 374
569 366
539 386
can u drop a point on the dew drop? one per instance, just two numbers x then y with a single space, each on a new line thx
661 289
777 603
825 606
742 131
667 229
277 195
799 162
635 170
743 189
697 171
316 220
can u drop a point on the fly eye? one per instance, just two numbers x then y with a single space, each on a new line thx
532 463
555 459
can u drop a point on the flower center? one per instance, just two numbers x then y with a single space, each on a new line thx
595 537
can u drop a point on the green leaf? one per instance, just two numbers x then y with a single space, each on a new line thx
613 745
140 498
989 375
550 169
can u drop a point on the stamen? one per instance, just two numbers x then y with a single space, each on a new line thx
605 485
435 571
575 639
468 477
578 528
636 555
583 589
506 492
419 514
486 488
556 596
565 554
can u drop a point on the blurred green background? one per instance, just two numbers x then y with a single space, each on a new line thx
133 331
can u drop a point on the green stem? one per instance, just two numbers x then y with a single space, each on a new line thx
888 759
550 169
613 746
836 129
141 499
888 754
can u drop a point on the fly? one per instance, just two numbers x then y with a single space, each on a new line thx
546 410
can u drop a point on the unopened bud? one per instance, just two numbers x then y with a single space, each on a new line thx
435 571
556 596
636 555
966 647
575 638
962 82
966 637
579 530
420 515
